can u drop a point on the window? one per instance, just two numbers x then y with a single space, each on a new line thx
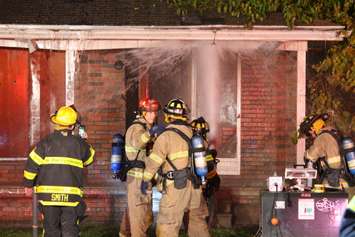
208 79
14 103
216 96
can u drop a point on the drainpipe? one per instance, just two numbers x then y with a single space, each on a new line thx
34 129
34 214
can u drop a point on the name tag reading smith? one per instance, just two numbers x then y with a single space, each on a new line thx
59 197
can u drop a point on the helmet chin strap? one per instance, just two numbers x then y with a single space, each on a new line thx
65 130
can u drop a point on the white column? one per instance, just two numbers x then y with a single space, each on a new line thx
70 59
239 111
193 86
301 94
35 103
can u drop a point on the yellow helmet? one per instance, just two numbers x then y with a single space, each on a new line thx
65 116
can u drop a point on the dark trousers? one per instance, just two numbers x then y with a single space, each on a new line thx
60 221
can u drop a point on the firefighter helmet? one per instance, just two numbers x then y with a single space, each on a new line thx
200 125
176 109
149 105
65 116
312 123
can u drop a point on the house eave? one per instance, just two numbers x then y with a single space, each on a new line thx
210 32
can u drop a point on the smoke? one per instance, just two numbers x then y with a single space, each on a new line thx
163 59
202 73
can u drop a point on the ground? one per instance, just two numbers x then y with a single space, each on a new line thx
96 231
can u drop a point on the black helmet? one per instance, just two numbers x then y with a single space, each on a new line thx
306 125
200 125
176 107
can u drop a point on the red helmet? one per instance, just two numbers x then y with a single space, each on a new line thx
149 105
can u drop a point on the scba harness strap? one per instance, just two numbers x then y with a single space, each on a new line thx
130 164
180 176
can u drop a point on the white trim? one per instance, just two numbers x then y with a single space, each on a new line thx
231 166
70 58
35 104
239 111
301 96
95 27
13 43
211 33
193 87
264 35
12 158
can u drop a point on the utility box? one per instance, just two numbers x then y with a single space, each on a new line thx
302 214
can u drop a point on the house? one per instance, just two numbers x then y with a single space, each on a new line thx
250 84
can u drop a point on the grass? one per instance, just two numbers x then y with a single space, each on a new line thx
15 233
103 231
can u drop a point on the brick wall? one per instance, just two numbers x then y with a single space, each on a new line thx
268 117
104 205
99 96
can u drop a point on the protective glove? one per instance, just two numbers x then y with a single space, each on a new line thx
156 130
213 153
212 186
82 132
144 187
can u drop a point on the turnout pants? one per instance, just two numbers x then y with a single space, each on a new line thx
171 211
139 208
125 229
211 204
60 221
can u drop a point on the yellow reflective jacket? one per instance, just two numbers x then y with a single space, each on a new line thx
325 145
136 139
172 145
55 168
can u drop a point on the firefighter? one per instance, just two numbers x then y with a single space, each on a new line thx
137 139
55 168
200 126
324 151
181 190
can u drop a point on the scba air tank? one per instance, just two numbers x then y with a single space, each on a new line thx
116 154
198 154
349 153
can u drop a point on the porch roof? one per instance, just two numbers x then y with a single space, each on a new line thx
209 32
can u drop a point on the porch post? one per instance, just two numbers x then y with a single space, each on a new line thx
35 103
70 58
301 94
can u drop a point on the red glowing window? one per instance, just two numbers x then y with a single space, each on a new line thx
14 103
